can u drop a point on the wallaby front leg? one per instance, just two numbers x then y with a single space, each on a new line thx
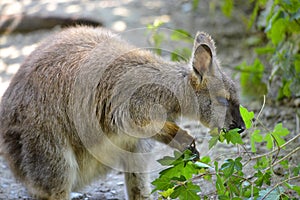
137 186
173 135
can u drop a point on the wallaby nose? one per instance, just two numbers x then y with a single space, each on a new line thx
242 128
240 125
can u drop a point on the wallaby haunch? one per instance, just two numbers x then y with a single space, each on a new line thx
85 101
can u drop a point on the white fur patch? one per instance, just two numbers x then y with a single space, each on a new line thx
72 162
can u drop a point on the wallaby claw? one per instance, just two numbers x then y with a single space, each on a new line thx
194 150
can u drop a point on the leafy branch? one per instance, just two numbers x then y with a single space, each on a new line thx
179 179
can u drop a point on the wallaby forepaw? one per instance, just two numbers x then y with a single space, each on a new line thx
194 150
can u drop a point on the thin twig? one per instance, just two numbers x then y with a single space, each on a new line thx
269 153
280 183
273 151
262 107
278 149
246 151
262 124
283 158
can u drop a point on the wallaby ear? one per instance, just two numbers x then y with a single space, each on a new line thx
204 51
202 60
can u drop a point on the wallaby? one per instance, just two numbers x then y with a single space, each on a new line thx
86 101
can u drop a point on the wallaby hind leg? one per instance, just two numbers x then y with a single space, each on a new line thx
137 186
47 184
50 168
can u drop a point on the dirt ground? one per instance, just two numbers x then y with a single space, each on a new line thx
130 18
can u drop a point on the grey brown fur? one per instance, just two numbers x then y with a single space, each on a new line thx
86 101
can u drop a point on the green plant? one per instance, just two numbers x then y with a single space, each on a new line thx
278 61
179 179
280 22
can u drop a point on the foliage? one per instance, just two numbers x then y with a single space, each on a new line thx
280 22
278 61
277 49
179 179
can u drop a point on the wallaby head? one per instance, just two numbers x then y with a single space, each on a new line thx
216 93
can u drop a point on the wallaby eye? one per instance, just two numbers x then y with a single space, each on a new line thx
223 101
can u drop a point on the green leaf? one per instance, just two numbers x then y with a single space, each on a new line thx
223 197
162 183
235 137
296 188
265 50
296 170
262 178
255 137
273 195
274 17
253 15
182 169
202 165
167 193
238 166
180 179
216 164
236 198
186 192
228 167
277 133
247 116
297 64
253 40
280 132
261 163
227 7
181 35
286 88
251 191
213 141
252 75
205 159
268 138
296 15
195 4
220 185
291 6
168 160
156 24
227 137
277 32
